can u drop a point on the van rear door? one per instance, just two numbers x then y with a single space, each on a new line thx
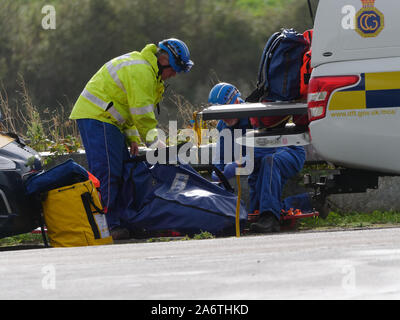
347 30
354 92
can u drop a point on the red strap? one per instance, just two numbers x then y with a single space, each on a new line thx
95 181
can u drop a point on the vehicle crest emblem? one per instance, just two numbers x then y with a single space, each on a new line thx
369 20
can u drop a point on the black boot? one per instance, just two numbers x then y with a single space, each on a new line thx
320 204
119 233
266 223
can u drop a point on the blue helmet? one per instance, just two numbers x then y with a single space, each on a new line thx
179 55
223 93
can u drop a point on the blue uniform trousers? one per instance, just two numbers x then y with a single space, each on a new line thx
272 169
106 151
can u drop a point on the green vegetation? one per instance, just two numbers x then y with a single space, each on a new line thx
22 239
352 220
37 239
200 236
42 72
57 134
203 235
51 67
334 221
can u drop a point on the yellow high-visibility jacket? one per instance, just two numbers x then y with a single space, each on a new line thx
124 92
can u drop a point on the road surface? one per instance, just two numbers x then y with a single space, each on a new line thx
360 264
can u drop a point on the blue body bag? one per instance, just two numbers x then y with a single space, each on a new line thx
177 198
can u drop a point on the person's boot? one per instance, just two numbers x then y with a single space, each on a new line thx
119 233
266 223
320 204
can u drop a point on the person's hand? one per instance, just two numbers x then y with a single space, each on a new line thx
134 148
161 144
230 170
158 144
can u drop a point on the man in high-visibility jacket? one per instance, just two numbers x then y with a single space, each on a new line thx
116 109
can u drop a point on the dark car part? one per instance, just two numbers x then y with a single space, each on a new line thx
19 213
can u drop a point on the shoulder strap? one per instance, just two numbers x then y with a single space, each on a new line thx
87 201
223 179
259 91
264 57
256 95
269 54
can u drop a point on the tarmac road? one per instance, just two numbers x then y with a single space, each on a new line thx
360 264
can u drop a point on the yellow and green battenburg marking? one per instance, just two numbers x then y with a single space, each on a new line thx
375 90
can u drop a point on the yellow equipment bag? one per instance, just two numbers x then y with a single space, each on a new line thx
74 216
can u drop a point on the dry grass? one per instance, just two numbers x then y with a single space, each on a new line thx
38 127
42 128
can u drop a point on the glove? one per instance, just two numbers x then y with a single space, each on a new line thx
214 177
230 170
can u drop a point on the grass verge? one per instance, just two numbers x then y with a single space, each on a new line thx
22 239
352 220
334 220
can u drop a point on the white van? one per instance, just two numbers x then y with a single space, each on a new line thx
354 92
353 96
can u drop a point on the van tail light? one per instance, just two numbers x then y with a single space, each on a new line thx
320 90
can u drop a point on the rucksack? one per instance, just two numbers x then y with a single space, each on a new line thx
71 205
74 216
279 69
283 73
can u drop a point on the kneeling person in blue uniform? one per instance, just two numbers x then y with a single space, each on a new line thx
273 167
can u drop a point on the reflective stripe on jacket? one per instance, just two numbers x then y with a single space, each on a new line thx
124 92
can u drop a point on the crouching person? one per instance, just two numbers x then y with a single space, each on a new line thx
273 167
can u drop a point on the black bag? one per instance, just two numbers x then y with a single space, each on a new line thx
20 213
